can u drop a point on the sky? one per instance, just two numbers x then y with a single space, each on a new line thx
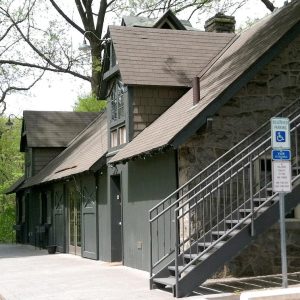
60 92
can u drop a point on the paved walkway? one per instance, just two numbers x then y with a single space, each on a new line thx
27 273
31 274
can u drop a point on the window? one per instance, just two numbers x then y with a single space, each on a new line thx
113 60
114 138
117 103
122 135
118 136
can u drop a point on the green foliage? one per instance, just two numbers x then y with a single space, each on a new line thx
11 168
89 103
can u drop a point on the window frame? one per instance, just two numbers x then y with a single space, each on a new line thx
116 104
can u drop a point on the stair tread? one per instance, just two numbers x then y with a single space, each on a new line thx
170 281
250 210
207 244
188 269
220 232
247 221
194 255
262 199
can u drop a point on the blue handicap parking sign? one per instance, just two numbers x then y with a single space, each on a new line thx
280 136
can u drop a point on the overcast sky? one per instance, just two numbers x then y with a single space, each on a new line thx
60 92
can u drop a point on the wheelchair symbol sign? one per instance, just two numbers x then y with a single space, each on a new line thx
280 133
280 136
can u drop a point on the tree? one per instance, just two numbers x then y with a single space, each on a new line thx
35 35
89 103
11 168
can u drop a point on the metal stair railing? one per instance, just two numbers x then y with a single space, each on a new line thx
205 221
161 216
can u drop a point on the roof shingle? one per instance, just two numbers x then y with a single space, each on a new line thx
162 57
230 66
54 128
82 153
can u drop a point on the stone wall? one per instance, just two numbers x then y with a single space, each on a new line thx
258 259
277 85
150 102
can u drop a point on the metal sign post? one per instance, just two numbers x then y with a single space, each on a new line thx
281 178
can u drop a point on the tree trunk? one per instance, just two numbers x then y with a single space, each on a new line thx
96 67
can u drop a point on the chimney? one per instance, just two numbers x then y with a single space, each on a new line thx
196 90
220 23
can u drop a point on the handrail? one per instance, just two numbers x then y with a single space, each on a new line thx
248 160
238 225
224 155
189 193
239 162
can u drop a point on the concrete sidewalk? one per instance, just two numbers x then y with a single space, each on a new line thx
27 273
31 274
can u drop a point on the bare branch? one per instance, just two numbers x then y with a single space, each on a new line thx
58 9
47 60
15 88
268 4
101 16
81 13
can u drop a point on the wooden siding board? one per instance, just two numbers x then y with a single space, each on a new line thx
140 197
104 217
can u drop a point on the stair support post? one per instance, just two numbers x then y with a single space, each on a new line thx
150 236
177 241
251 197
283 241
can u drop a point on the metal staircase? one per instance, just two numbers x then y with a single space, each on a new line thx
210 219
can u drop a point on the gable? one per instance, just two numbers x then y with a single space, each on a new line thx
167 21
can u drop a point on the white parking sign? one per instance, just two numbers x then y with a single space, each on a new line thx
280 133
281 176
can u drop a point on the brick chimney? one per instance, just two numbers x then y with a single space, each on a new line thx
220 23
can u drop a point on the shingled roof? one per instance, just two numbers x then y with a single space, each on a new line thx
15 186
239 63
164 57
53 128
81 155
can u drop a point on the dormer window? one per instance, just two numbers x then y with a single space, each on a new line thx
113 60
118 134
117 103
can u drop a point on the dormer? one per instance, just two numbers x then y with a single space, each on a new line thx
167 21
146 70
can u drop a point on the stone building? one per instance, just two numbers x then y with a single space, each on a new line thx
186 137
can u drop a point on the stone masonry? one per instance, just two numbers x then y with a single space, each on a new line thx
150 102
258 259
277 85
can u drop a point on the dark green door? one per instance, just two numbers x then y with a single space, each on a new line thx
89 219
59 223
116 219
74 207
